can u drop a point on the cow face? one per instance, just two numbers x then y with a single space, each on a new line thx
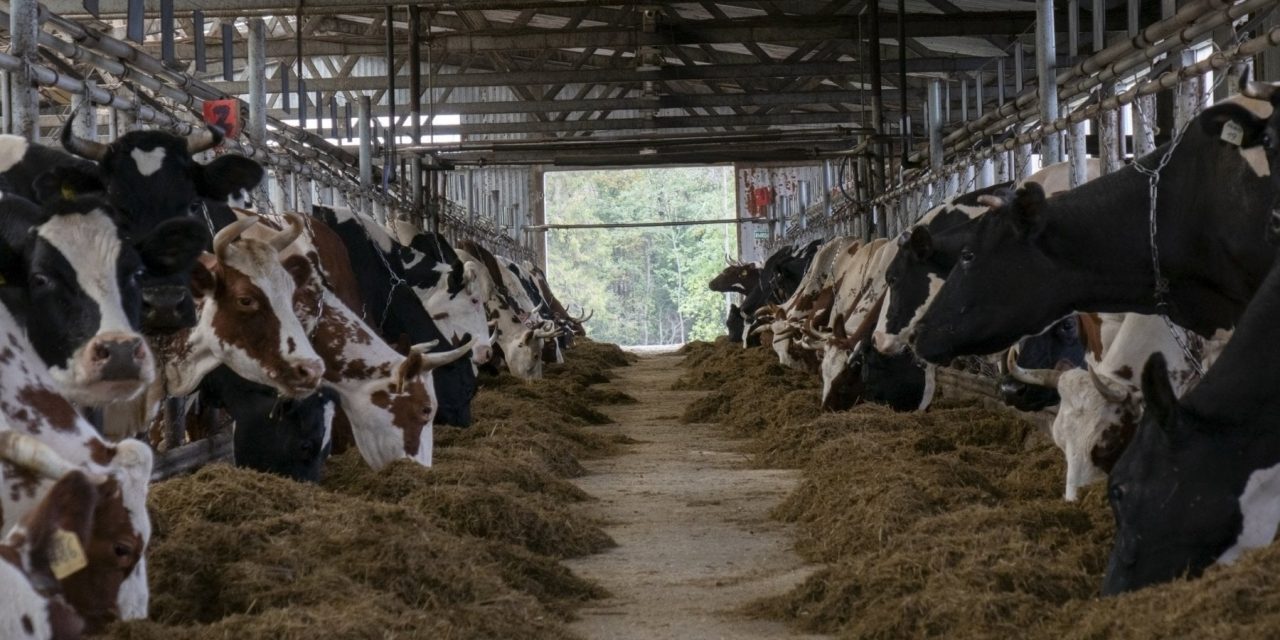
736 278
247 315
1096 419
900 381
33 605
1059 347
1177 506
151 175
914 276
459 309
972 301
81 291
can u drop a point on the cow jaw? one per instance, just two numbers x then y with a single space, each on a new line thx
91 245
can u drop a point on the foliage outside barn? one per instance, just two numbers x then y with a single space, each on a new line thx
646 285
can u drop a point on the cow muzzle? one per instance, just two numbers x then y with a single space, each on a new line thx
113 366
167 309
481 354
889 345
300 378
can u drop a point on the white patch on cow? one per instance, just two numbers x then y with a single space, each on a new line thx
908 332
442 268
379 235
148 162
134 462
1261 509
12 150
20 602
240 199
1083 415
330 411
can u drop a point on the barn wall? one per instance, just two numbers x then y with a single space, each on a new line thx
780 193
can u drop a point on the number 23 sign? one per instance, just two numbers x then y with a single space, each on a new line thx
224 114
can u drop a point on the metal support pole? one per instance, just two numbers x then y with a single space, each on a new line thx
964 101
1046 75
902 79
306 195
935 125
877 104
24 32
1108 122
826 185
1078 155
257 72
366 149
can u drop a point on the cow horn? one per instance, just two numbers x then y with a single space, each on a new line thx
229 233
87 149
1038 377
30 453
1104 387
423 347
581 319
546 333
439 359
760 329
285 237
815 333
204 140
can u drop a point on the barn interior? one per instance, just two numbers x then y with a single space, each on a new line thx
833 118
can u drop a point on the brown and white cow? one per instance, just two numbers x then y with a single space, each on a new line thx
387 397
49 541
246 317
1101 406
518 329
114 585
812 298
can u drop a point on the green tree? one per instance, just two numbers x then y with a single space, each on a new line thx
646 285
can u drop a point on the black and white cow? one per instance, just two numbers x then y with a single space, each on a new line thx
1033 260
1200 482
73 279
395 310
780 276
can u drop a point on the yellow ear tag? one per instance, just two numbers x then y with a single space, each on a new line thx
68 193
66 556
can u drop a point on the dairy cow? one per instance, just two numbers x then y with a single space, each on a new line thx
1198 483
519 331
72 279
1094 242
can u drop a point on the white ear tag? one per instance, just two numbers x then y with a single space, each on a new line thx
1233 133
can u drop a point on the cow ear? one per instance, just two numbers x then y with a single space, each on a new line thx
65 183
920 243
203 279
1028 210
1157 393
173 246
228 174
1215 118
67 509
298 267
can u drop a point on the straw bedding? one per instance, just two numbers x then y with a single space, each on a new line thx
951 524
467 549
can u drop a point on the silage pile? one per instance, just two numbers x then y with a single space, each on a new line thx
467 549
951 524
750 392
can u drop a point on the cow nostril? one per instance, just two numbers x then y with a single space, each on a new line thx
139 350
101 352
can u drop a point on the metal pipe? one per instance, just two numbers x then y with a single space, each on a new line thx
935 125
415 74
24 106
902 80
366 146
1046 54
84 123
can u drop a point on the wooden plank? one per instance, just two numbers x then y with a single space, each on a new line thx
190 457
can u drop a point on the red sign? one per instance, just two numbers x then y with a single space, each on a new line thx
758 201
224 114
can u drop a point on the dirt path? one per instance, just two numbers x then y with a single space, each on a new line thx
691 521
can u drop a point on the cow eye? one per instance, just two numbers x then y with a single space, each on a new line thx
41 281
122 549
247 303
966 256
1116 493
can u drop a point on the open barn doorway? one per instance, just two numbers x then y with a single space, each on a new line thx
647 286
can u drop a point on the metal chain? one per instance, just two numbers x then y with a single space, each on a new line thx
1153 191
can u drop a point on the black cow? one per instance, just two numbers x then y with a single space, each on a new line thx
897 381
779 278
272 434
1197 483
82 326
735 324
1032 260
1059 347
395 310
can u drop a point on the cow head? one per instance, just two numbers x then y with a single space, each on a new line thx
29 561
247 316
458 308
80 282
1177 507
737 277
1059 348
1095 422
914 276
969 303
112 584
151 175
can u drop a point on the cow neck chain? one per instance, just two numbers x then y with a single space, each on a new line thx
1161 292
396 280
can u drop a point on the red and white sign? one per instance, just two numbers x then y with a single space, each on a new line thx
224 114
